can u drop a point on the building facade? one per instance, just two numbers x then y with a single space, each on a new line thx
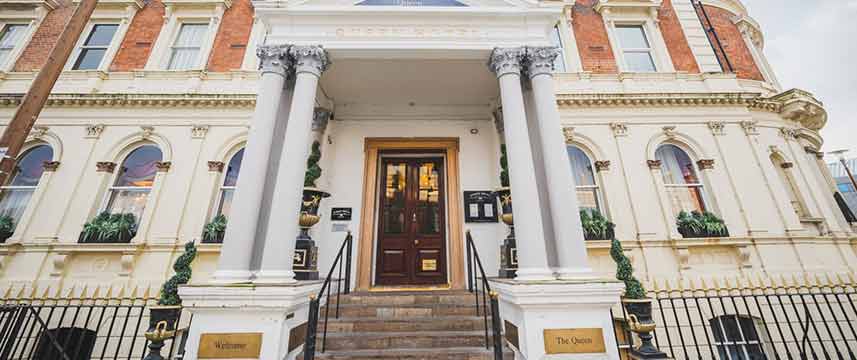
183 110
843 181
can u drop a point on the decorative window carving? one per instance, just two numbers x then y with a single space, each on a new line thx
134 181
586 186
683 186
16 193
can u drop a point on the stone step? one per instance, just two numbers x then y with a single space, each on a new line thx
465 353
406 298
401 311
404 340
440 323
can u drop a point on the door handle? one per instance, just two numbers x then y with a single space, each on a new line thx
414 218
416 241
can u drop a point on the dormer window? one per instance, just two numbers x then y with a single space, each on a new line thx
92 51
11 37
636 48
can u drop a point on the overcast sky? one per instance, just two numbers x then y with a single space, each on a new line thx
812 46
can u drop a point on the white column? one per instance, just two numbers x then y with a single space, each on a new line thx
310 62
532 255
568 232
237 250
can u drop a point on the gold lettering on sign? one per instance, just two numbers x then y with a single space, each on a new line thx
574 341
430 265
230 345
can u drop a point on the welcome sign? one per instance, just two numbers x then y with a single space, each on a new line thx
230 346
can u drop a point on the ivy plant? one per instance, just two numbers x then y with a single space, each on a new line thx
313 171
170 290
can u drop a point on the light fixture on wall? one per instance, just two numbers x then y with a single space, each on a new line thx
474 131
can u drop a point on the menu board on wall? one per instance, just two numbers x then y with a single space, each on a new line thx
480 207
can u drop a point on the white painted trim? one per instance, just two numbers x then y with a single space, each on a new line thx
32 25
659 52
174 17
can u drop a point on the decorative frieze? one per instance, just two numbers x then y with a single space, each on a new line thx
602 165
568 134
619 129
105 166
705 164
309 58
506 61
163 166
540 60
140 100
654 164
717 127
198 131
50 166
216 166
94 131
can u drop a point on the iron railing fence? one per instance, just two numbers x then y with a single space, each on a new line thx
487 303
75 328
788 323
343 287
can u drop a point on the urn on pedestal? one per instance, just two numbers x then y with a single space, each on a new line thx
305 264
164 316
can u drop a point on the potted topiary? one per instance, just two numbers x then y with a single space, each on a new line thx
213 231
7 227
508 251
595 225
305 249
700 225
637 305
164 316
109 228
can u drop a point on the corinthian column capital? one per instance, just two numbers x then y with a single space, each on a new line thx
506 61
274 59
310 58
540 60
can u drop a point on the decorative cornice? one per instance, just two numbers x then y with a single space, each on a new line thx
141 100
311 59
705 164
216 166
506 61
50 166
163 166
540 60
800 106
105 166
653 164
602 165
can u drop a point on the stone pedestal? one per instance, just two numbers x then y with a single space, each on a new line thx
237 311
508 255
574 308
306 258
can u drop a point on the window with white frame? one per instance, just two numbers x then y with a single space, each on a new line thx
556 40
739 337
683 186
227 188
94 48
588 194
10 39
134 181
18 190
186 47
635 48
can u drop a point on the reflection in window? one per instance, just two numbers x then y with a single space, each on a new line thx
17 192
739 337
9 39
186 47
395 201
428 206
636 48
95 47
556 40
134 181
683 187
227 189
584 179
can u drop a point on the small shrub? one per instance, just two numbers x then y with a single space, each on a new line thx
214 230
109 228
701 224
625 272
170 290
595 225
313 171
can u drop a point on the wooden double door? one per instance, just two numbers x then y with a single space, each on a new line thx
411 222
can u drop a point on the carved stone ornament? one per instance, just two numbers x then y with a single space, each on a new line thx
716 127
311 59
619 129
216 166
94 131
147 131
506 61
320 118
105 166
198 131
653 164
705 164
744 253
669 131
50 165
788 133
59 262
800 106
787 165
568 134
274 59
163 166
750 127
602 165
540 60
38 132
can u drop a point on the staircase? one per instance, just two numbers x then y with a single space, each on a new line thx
405 325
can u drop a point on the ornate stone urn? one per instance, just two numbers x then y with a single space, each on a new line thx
162 326
508 251
306 253
640 322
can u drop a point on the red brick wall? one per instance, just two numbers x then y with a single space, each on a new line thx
230 44
142 33
37 51
733 44
596 55
680 53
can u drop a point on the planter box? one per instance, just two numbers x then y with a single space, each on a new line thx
216 240
122 239
690 234
609 236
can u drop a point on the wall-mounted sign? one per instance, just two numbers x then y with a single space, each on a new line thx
340 214
230 346
480 207
429 265
574 341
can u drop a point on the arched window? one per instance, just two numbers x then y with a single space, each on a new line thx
789 184
134 181
227 189
683 186
15 195
588 196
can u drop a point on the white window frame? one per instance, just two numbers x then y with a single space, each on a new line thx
109 52
217 210
200 63
597 187
31 26
112 188
210 12
5 187
706 204
647 18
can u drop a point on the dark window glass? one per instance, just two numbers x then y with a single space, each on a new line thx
93 49
233 169
76 343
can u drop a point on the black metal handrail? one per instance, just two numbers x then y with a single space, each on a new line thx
709 29
474 263
344 254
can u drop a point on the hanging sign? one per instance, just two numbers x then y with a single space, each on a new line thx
480 207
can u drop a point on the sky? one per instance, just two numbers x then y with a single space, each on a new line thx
812 45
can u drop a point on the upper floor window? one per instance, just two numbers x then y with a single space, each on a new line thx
636 48
10 38
683 187
185 50
92 51
556 40
134 181
17 192
588 195
738 337
227 189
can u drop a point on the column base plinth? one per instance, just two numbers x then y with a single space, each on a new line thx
226 277
273 311
534 274
538 308
275 277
